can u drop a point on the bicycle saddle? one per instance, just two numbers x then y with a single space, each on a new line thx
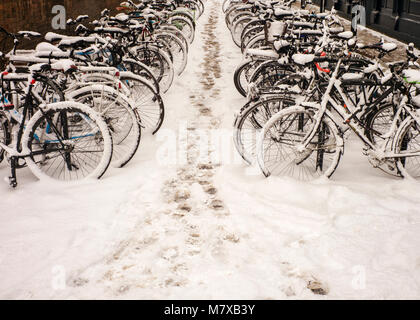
46 46
303 59
29 34
114 30
345 35
412 76
52 36
47 50
381 46
279 13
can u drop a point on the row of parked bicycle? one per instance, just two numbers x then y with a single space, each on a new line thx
78 103
308 82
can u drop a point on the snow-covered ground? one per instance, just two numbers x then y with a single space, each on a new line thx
174 226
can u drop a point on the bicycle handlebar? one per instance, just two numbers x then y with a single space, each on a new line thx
6 32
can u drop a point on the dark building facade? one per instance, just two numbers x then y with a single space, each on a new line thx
399 19
36 15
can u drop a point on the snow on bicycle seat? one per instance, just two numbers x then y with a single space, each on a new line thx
122 17
371 68
110 30
52 36
69 41
61 65
64 65
412 76
345 35
29 34
278 12
385 46
46 46
389 46
336 30
262 53
302 59
47 50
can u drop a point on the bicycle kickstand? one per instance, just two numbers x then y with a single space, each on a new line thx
12 178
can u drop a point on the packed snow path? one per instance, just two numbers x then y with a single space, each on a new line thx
186 219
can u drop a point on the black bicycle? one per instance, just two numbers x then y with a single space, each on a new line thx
64 141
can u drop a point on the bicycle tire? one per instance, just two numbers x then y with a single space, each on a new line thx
300 165
59 111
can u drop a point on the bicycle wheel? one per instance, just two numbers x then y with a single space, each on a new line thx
118 115
278 146
280 78
159 63
378 122
175 31
249 34
127 148
147 103
48 90
4 134
238 27
256 42
184 25
152 59
201 6
140 69
165 48
252 119
187 13
225 5
178 50
196 5
232 12
242 75
67 141
255 22
407 141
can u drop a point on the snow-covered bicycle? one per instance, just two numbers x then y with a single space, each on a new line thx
305 141
64 141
